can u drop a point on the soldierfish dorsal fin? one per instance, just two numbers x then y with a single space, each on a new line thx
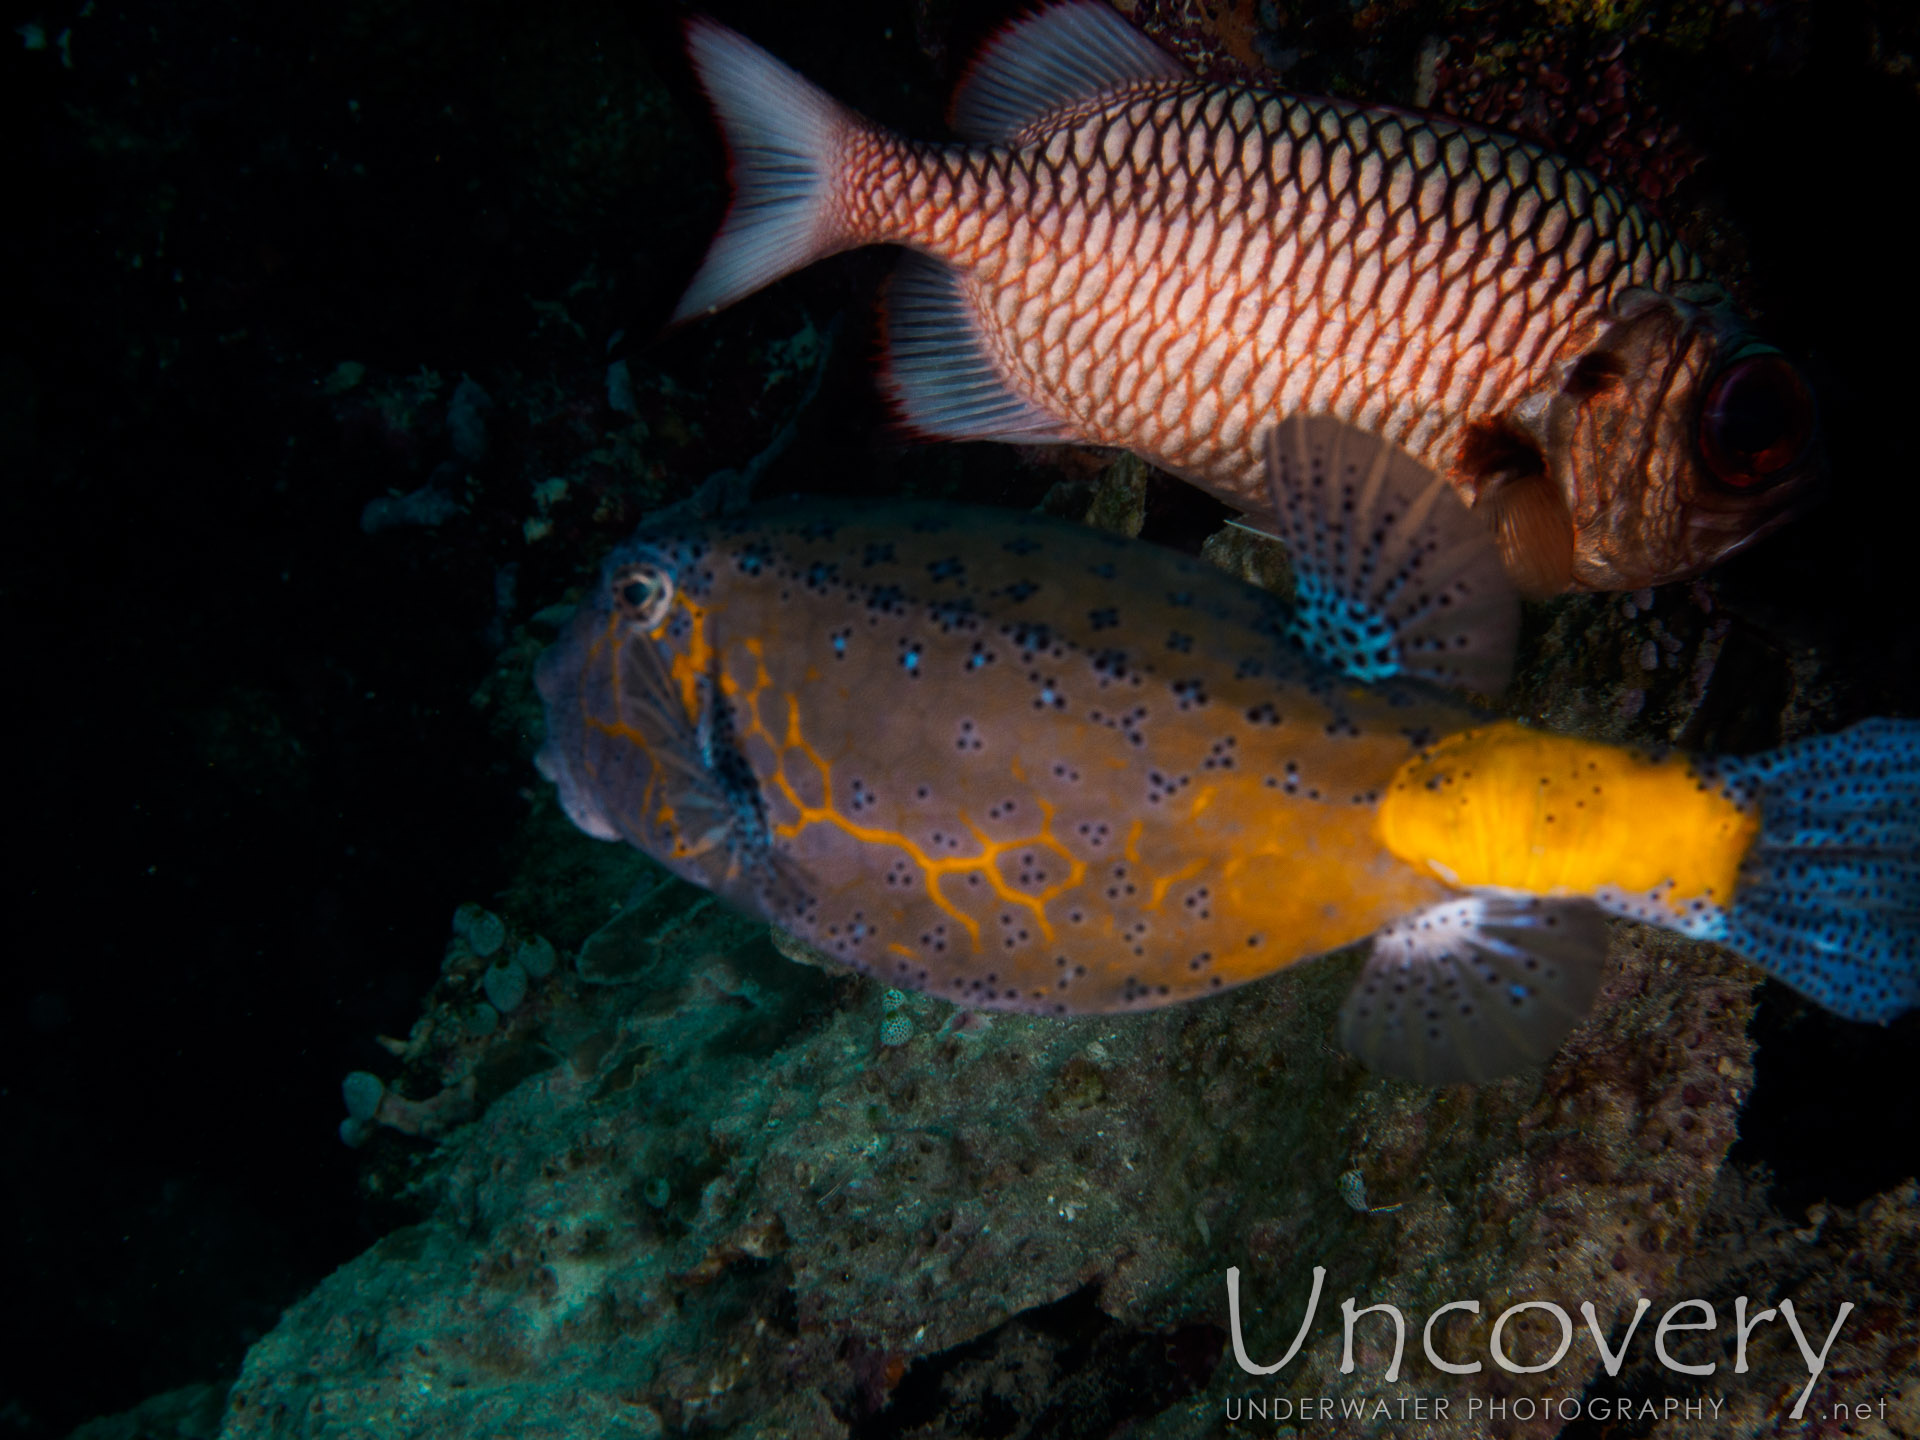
939 371
1393 575
1037 65
1475 988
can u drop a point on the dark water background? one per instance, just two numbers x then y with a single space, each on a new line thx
248 782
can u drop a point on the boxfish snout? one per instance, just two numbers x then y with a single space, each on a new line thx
558 676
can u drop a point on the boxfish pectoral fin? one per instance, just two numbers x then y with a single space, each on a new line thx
1394 576
702 785
1475 988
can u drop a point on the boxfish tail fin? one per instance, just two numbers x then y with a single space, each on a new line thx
786 138
1472 989
1828 899
1393 574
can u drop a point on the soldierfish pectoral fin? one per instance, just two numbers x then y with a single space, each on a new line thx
1037 65
1393 575
1534 531
1475 988
939 370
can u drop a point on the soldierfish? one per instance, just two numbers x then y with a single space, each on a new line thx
1125 256
1025 765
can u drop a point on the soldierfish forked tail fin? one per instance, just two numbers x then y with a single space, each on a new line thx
786 136
1829 893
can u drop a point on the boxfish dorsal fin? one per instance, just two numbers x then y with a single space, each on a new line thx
940 374
1393 575
1037 65
1475 988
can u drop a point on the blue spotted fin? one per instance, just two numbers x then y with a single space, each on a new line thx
1393 575
1829 892
1476 988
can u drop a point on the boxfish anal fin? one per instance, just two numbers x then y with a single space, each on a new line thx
1038 65
1394 576
1475 988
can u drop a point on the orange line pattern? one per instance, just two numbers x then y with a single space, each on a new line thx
1021 767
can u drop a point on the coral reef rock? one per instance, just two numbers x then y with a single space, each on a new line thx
727 1207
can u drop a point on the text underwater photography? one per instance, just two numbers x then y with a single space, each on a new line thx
1379 1410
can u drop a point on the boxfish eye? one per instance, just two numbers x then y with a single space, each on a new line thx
643 593
1756 421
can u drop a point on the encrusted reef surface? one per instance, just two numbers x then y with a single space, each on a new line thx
738 1200
1867 1256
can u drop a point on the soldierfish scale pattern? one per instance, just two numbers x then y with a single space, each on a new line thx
1125 256
1177 265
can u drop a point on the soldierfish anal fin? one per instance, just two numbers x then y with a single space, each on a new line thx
784 135
939 371
1394 575
1037 65
1475 988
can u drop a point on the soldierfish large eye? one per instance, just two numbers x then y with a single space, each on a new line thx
1756 421
643 592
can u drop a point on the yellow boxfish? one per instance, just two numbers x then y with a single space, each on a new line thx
1025 765
1125 256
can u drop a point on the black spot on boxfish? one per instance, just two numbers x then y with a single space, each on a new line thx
1192 694
951 614
878 553
1020 590
1030 637
950 568
1180 642
887 599
1105 618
